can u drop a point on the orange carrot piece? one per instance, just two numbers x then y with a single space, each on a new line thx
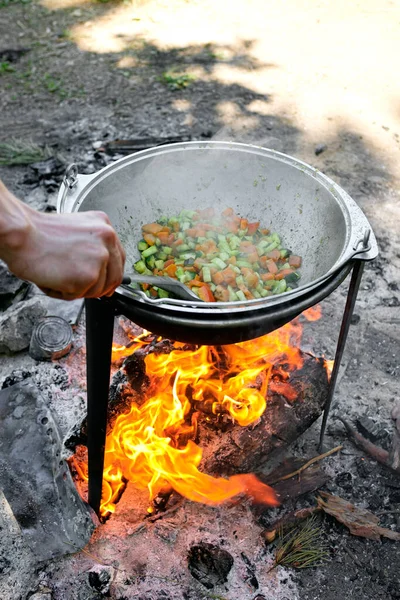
171 270
267 276
271 266
149 238
283 273
274 254
151 228
294 261
252 228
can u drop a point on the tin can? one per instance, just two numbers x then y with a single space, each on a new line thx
51 338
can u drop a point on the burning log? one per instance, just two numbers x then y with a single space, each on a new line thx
180 414
244 449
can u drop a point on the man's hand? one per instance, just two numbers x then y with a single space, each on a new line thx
68 256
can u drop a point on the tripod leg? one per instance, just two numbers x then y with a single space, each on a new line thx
99 334
344 330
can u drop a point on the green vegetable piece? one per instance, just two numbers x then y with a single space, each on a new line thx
292 277
159 264
166 250
240 295
149 251
219 263
280 287
163 293
140 266
206 274
142 245
150 262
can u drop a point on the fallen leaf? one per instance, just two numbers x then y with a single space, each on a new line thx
359 521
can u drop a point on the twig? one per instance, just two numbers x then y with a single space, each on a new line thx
307 464
377 453
166 513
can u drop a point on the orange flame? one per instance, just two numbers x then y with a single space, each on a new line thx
152 445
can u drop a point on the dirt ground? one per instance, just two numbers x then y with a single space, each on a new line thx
296 76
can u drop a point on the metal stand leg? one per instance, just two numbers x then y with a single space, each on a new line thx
99 334
344 329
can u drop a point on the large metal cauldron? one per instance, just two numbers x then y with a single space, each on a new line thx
316 218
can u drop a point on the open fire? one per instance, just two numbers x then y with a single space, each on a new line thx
152 444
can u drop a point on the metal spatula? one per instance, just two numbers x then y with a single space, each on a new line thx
165 283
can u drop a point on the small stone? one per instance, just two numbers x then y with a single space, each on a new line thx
368 428
12 289
16 325
355 319
41 596
100 579
320 149
209 564
345 481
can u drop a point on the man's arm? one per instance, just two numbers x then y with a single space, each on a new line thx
67 256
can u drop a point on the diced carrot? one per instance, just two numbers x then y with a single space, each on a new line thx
283 273
229 276
195 282
232 260
153 293
243 224
267 276
206 294
246 292
252 227
192 232
176 227
294 261
263 261
250 276
149 238
274 254
221 294
264 231
177 242
228 212
252 258
247 247
168 262
201 233
151 228
271 266
171 270
231 226
164 237
145 286
165 229
218 278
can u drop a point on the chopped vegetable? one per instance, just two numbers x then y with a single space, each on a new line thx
222 258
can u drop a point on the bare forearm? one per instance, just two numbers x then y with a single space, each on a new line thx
67 256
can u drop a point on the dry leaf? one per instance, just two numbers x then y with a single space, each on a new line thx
360 521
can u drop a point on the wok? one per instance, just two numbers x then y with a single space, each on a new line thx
315 217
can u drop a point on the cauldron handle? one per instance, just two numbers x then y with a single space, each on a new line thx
99 334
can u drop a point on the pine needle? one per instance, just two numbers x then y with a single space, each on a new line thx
302 547
18 152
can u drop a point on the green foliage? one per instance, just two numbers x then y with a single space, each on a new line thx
4 3
6 67
18 152
176 81
302 547
54 85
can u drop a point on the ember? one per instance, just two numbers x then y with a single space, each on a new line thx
152 445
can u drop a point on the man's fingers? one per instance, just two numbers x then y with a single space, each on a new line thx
115 271
97 289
